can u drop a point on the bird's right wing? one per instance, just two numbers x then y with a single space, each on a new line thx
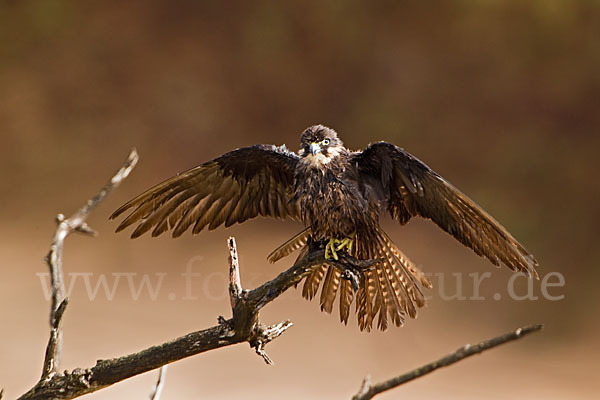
239 185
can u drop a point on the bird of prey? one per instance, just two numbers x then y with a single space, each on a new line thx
339 195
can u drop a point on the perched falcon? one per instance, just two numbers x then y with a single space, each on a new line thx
339 195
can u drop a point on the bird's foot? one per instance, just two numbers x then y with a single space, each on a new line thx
335 245
348 243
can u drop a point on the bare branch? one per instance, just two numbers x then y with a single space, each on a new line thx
75 223
367 391
244 326
160 383
235 285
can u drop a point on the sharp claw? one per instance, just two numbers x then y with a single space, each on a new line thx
335 256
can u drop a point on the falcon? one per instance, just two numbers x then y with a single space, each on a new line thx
339 195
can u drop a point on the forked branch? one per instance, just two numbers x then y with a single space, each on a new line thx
75 223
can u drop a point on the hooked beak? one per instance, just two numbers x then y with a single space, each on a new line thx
315 148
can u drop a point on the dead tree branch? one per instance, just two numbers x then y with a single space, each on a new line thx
244 326
75 223
368 391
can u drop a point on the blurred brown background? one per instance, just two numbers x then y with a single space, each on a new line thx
500 97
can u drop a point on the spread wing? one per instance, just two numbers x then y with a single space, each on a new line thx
234 187
407 187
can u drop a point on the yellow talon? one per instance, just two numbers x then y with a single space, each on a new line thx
347 242
335 245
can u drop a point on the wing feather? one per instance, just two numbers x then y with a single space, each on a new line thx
407 188
233 188
191 214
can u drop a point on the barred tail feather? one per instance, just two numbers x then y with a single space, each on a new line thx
330 289
289 246
398 269
346 297
410 266
395 282
312 282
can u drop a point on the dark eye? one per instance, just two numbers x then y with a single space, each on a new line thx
325 142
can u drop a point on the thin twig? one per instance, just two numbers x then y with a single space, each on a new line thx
368 391
266 334
50 366
160 383
75 223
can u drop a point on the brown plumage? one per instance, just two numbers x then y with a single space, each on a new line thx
336 193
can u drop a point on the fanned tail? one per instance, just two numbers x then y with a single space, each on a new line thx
389 291
398 280
392 289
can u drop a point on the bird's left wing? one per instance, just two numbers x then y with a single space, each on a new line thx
407 187
239 185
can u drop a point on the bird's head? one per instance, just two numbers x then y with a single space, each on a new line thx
320 145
